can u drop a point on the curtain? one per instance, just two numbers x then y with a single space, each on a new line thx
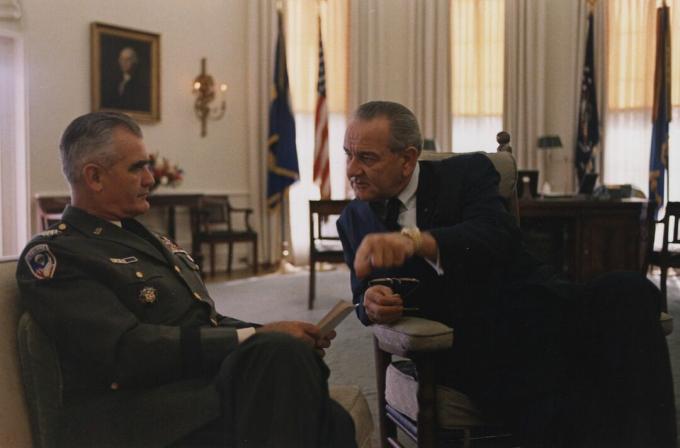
14 210
399 51
524 83
261 40
303 62
432 70
477 46
631 36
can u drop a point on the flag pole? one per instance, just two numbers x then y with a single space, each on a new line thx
285 266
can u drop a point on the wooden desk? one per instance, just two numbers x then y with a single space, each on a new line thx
585 237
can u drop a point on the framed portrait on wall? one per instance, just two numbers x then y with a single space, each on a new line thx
125 71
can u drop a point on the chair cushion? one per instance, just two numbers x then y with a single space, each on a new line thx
454 409
411 334
351 398
14 420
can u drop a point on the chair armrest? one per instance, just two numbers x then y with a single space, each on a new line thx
246 212
413 334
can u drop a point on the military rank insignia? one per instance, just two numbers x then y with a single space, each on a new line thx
148 294
170 245
41 261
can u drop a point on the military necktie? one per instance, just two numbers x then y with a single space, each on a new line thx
392 215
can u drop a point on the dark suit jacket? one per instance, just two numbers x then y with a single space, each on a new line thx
479 242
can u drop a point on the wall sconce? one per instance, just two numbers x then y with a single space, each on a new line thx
204 89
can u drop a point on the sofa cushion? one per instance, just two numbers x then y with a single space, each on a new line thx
351 398
14 424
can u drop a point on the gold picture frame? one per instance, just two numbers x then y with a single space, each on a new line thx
125 68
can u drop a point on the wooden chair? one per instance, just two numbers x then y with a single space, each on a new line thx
322 248
669 254
430 414
50 209
216 225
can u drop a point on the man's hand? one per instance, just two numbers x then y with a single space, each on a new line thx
382 250
304 331
382 305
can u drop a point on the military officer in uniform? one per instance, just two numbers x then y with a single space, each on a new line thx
127 310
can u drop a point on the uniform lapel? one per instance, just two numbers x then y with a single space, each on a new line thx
98 228
426 195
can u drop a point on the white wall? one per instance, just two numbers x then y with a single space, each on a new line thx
57 42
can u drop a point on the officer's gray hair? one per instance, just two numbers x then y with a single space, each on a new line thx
404 128
89 138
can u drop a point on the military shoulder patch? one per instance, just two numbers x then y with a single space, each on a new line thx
41 261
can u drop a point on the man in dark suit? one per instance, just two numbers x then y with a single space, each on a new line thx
127 310
561 364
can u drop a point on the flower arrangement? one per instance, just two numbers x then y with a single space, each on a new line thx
164 173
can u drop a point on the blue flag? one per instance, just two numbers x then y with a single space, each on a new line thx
282 162
661 112
588 122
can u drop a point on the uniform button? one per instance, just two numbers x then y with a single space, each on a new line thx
139 274
197 296
214 322
61 226
177 269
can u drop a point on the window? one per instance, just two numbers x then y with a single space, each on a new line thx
631 37
477 37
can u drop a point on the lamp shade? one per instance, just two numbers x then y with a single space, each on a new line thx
549 142
430 144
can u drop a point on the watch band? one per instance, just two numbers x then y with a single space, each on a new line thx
413 233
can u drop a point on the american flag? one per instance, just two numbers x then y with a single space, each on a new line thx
321 163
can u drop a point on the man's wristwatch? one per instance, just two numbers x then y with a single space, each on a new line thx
413 233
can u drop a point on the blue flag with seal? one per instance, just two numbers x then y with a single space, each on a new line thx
661 112
282 161
588 122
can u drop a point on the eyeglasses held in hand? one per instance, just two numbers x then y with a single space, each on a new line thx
403 286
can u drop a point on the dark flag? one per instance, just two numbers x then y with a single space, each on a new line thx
588 123
282 163
661 112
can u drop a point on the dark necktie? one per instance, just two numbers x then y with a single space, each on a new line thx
392 215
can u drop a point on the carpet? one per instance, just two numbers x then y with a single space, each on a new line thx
284 297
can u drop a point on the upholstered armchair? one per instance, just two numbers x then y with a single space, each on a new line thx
408 396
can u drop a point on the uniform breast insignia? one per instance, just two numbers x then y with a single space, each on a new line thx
41 261
126 260
148 294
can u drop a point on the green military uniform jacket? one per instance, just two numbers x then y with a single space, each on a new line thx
124 306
